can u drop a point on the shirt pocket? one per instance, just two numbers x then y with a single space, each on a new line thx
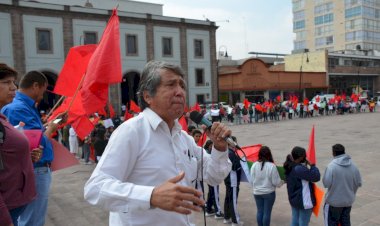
191 169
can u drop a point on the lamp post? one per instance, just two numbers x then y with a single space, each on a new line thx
307 61
217 68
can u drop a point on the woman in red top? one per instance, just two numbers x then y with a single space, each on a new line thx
17 185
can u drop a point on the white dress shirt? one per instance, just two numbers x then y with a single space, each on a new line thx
143 153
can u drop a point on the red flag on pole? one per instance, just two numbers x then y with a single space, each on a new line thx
183 123
310 154
202 140
82 126
104 68
111 110
196 107
251 152
133 107
246 103
74 68
127 116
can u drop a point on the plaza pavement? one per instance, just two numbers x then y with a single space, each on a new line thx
359 133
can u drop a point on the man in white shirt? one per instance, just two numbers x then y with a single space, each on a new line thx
148 171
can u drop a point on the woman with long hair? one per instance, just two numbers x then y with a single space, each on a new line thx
300 175
265 179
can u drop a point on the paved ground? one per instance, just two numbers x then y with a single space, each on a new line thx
359 133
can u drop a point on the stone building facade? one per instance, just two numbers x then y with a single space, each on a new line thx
145 34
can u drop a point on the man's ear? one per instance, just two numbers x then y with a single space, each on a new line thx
147 97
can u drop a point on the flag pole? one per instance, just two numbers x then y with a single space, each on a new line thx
55 106
76 92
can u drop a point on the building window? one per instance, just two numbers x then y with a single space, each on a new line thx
199 77
44 40
198 48
90 37
167 47
299 24
200 98
131 44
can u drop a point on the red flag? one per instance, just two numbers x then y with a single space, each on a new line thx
310 154
251 152
319 194
246 103
73 70
278 98
111 110
82 126
317 99
102 111
196 107
305 101
75 110
183 122
127 115
95 120
133 107
104 68
202 140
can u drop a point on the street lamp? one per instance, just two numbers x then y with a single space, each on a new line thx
307 61
217 68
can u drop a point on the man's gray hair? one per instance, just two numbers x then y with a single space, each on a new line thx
151 79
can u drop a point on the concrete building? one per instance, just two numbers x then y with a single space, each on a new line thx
336 25
37 35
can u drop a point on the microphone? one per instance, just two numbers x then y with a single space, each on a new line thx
199 119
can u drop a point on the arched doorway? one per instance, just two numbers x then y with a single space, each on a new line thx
129 87
50 99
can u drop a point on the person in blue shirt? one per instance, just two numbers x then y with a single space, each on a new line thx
24 109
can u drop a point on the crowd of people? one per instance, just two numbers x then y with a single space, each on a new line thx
151 172
275 110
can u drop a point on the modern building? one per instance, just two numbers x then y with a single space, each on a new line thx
37 35
336 25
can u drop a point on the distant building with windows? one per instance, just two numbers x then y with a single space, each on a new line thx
336 25
37 35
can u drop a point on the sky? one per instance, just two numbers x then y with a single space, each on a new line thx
253 25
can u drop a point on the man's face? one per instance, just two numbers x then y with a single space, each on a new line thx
39 91
7 90
169 101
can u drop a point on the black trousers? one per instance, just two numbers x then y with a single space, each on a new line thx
230 204
337 215
213 199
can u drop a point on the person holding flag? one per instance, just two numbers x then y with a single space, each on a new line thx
300 176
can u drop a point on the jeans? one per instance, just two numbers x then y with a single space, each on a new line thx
300 217
86 152
15 214
35 212
264 204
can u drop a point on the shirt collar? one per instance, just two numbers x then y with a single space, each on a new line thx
155 120
25 98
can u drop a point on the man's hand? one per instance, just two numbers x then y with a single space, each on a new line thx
173 197
217 133
36 154
51 127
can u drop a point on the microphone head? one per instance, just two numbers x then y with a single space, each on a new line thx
196 117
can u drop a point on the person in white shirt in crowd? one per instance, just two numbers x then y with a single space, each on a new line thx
73 141
147 173
265 178
215 114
